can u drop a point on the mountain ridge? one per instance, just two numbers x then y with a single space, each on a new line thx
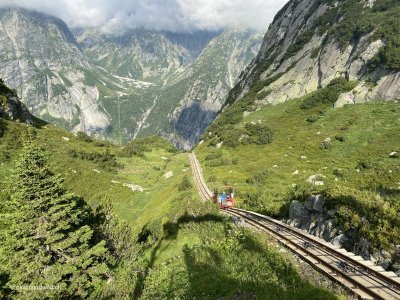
117 88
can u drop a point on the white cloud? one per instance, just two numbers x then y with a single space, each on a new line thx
173 15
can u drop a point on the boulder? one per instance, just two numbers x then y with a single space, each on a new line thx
396 268
363 248
394 154
319 202
168 174
316 179
340 240
295 209
345 98
309 204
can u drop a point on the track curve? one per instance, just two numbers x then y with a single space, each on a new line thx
360 276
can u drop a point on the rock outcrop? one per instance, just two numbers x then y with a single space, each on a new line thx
313 217
11 108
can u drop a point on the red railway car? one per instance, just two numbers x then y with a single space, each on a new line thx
226 198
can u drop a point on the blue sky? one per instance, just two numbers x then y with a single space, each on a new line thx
172 15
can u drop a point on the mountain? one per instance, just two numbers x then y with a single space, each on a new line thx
40 58
189 76
142 54
312 42
121 87
192 97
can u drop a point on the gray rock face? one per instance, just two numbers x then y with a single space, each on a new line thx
308 70
41 60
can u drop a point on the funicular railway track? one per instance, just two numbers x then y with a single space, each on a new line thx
360 276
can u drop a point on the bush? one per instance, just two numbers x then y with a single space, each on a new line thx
258 133
185 184
374 218
338 172
104 160
362 165
301 40
82 136
211 179
214 155
258 178
313 118
324 145
139 146
340 138
329 94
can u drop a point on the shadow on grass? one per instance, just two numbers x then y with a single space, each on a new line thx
212 279
170 232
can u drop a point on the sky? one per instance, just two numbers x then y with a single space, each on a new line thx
171 15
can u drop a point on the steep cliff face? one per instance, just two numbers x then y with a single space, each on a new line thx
41 60
312 42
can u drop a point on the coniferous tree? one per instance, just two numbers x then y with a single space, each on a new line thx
47 246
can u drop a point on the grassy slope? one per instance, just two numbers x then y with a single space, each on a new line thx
359 163
186 246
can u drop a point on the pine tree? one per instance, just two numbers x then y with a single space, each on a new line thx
48 243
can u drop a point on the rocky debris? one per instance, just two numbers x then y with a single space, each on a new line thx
65 139
219 145
325 144
317 179
394 154
303 157
97 171
168 174
295 173
134 187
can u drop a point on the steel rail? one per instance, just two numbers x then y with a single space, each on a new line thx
365 282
